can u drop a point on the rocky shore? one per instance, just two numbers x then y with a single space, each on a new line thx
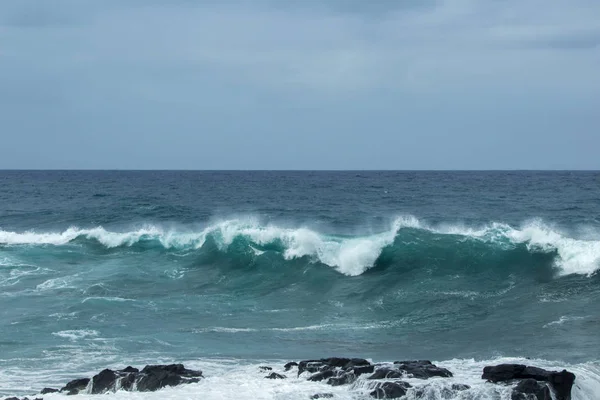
381 380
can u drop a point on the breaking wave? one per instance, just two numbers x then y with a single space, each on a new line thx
350 255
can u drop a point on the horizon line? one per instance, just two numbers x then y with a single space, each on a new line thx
287 170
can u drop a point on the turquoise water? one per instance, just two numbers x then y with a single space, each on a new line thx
103 269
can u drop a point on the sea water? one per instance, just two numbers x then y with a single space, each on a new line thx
226 271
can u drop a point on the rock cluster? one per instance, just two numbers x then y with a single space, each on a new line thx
532 381
385 380
380 381
149 379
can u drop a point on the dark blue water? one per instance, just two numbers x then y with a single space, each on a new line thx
101 268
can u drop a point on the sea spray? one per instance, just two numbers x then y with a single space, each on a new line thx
349 255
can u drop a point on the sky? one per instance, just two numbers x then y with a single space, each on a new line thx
300 84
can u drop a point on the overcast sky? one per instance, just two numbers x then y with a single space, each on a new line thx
300 84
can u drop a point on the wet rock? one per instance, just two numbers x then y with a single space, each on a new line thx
390 390
345 363
126 381
538 374
460 387
322 396
561 384
311 366
48 390
344 379
508 372
274 375
151 378
386 373
330 363
263 368
104 381
528 388
428 392
75 386
290 365
319 376
502 372
366 369
422 369
24 398
154 377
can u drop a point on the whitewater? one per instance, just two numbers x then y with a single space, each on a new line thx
349 255
229 271
232 379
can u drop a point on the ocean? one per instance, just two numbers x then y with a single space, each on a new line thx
226 271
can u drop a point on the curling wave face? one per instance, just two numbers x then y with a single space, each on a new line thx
349 255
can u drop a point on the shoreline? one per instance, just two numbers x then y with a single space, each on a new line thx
331 377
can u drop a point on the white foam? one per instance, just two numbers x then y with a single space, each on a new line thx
15 271
61 316
102 298
317 327
76 334
6 262
239 380
349 255
562 320
55 283
222 329
107 238
574 256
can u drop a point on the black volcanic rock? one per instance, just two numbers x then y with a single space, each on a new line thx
75 386
390 390
275 375
504 372
24 398
126 381
321 396
422 369
460 386
538 374
344 379
177 369
365 369
48 390
310 366
507 372
154 377
151 378
345 363
319 376
104 382
290 365
530 387
264 368
386 373
330 363
561 384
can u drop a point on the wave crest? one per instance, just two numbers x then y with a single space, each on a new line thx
349 255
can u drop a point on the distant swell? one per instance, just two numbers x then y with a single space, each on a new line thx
349 255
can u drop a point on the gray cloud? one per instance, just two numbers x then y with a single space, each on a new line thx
299 84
